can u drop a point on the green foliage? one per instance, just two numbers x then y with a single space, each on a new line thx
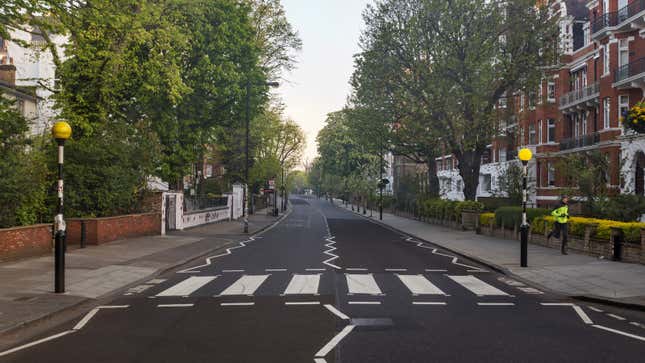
511 217
447 209
492 203
586 175
510 183
23 171
624 207
486 218
601 227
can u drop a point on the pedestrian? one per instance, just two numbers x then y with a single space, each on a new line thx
561 215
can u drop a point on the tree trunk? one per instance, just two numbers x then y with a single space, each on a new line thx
469 163
433 179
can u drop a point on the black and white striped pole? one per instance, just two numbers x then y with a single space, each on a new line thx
61 132
525 155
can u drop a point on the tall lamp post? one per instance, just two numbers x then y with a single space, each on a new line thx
245 192
525 155
61 132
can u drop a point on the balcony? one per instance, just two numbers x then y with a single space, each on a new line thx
581 141
629 17
580 98
630 75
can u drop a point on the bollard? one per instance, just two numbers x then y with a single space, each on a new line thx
83 234
617 238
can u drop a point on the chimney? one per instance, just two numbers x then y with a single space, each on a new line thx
8 74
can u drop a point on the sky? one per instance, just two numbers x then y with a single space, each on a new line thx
329 30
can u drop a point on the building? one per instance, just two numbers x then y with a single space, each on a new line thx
578 106
26 100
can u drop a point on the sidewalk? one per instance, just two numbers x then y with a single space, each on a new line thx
26 286
573 275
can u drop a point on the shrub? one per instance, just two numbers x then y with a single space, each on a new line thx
468 206
624 207
512 216
492 203
577 227
486 218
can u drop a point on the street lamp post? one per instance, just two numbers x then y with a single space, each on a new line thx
245 192
61 132
524 155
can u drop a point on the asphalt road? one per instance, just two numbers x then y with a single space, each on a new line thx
326 285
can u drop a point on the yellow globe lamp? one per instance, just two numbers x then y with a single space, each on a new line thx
525 155
61 131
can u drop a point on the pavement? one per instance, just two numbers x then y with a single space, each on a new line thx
325 285
574 275
96 272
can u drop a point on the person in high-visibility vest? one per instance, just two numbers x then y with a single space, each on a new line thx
561 215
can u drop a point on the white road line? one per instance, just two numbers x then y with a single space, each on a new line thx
156 281
188 286
319 360
275 269
620 332
419 285
495 304
595 309
355 269
245 285
238 304
396 269
637 324
362 284
24 346
315 269
331 241
582 314
302 303
85 319
211 258
530 290
303 284
478 271
226 271
334 341
336 312
364 302
454 259
428 303
556 304
616 317
435 270
477 286
113 306
175 305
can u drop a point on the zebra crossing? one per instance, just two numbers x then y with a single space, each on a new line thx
364 284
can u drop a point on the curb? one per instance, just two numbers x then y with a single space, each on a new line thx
505 271
90 302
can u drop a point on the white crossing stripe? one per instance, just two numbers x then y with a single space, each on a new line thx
187 286
419 285
477 286
303 284
245 285
362 284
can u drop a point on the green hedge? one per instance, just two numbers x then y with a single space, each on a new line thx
577 225
447 209
512 216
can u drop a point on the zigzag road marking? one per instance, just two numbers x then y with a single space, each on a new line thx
327 262
211 258
454 259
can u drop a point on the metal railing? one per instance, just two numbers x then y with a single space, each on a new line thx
580 95
581 141
629 70
615 18
193 204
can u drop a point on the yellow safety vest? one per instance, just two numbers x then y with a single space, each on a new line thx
561 214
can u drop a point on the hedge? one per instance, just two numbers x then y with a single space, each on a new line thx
512 216
447 209
632 230
485 218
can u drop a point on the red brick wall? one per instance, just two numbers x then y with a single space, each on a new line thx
28 241
101 230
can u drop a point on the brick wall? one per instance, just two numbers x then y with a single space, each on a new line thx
28 241
102 230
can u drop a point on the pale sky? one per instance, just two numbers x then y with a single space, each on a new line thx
329 30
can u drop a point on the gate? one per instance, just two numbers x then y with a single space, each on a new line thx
171 213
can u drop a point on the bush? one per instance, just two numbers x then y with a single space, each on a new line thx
512 216
492 203
447 209
577 227
624 207
486 218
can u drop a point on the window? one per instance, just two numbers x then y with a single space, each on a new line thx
209 171
576 127
605 59
486 183
550 174
532 135
551 132
623 52
539 94
502 102
551 91
623 106
606 112
502 155
521 102
540 139
584 122
531 97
